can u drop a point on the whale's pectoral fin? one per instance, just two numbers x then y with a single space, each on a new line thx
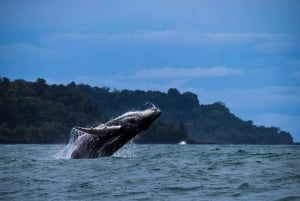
86 130
100 130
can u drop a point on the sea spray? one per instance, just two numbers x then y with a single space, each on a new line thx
127 151
67 150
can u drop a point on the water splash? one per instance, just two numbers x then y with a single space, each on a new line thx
67 150
127 151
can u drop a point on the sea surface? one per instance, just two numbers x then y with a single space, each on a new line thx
152 172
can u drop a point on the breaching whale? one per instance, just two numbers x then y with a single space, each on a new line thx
106 139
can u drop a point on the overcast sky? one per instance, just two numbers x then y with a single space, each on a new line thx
243 53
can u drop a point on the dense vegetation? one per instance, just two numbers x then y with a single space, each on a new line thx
35 112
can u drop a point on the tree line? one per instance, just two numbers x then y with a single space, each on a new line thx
36 112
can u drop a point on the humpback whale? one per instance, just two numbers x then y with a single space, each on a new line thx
105 139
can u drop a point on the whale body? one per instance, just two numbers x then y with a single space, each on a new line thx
106 139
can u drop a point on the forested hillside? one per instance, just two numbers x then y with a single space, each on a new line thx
35 112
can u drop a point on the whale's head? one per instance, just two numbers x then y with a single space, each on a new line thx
136 121
148 116
112 135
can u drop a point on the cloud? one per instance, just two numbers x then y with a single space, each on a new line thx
171 72
182 36
274 47
156 79
21 49
138 36
241 37
266 43
296 74
21 59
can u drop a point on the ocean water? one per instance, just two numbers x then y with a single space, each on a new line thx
152 172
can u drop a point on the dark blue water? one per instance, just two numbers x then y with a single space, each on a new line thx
152 172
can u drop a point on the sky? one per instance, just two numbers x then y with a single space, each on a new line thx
243 53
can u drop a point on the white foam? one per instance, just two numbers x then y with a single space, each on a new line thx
127 151
67 150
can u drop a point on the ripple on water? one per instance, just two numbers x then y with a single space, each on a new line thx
154 172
